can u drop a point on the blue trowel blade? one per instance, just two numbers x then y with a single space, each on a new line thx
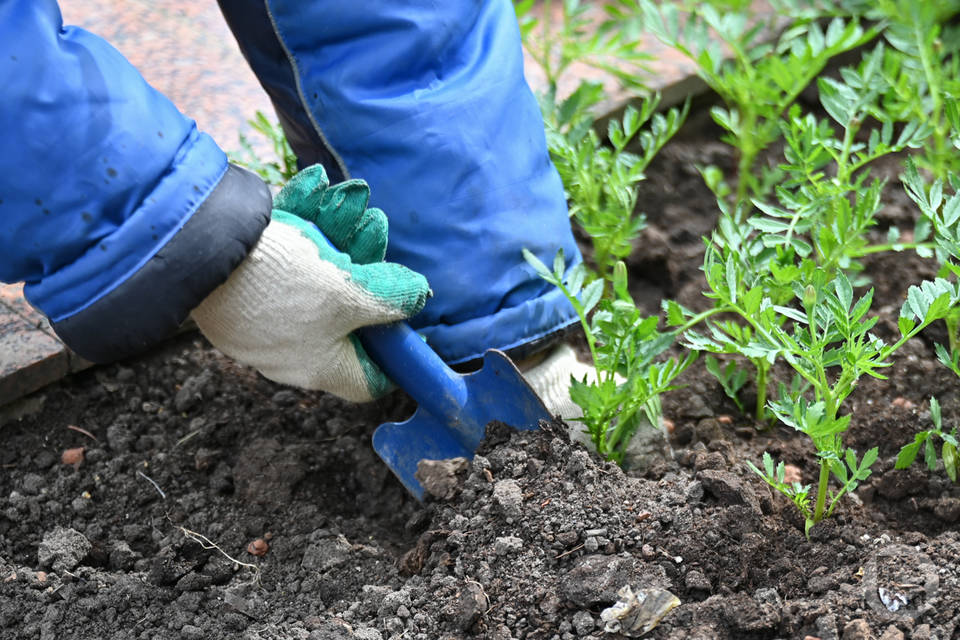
441 428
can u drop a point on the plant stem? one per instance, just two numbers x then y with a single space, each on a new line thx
953 324
762 367
822 491
883 248
700 317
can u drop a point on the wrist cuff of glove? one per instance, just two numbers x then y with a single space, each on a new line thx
152 303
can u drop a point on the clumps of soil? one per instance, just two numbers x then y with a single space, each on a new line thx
163 530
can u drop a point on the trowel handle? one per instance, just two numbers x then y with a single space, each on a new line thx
414 367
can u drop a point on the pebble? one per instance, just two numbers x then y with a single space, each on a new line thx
583 623
508 495
857 630
507 544
72 457
902 403
792 473
892 633
696 581
63 549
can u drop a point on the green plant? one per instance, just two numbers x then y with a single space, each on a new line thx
941 213
606 39
599 174
827 201
624 346
923 73
751 274
731 378
826 204
273 172
831 347
925 439
601 180
757 72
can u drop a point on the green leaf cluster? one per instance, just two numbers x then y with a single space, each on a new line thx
625 346
849 472
274 172
756 67
602 35
922 69
926 441
601 176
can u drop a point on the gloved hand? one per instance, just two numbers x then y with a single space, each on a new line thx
290 307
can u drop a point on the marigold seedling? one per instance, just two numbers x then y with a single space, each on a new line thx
624 346
926 440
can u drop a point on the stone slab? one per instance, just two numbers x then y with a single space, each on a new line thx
29 358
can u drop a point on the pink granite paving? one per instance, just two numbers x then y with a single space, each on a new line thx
185 50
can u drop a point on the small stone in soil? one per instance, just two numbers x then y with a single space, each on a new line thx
792 473
892 633
258 547
63 549
696 581
441 478
507 544
72 457
508 495
583 623
857 630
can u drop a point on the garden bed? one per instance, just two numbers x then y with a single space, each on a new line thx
537 539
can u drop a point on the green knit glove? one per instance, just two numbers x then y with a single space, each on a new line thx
340 212
291 307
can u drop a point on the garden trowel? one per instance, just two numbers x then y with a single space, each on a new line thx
452 409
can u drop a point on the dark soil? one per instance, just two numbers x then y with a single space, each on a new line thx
184 450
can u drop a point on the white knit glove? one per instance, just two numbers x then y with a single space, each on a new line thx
290 307
551 380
